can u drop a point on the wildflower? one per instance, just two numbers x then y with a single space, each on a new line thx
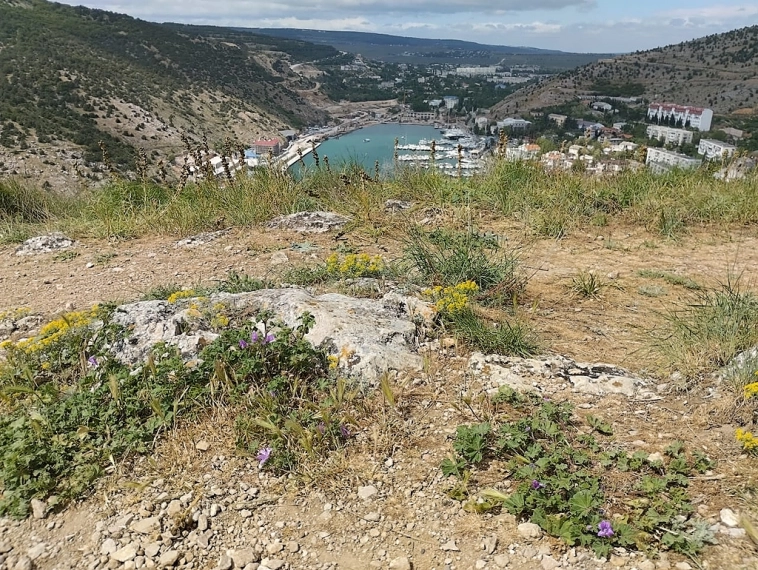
263 455
269 339
321 427
93 363
344 431
243 344
751 390
254 337
604 529
537 485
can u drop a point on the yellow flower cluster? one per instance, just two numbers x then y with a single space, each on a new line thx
185 294
751 390
14 314
355 265
452 299
55 330
747 439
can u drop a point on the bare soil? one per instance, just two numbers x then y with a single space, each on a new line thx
399 453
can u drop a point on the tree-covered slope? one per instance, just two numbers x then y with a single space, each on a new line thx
76 75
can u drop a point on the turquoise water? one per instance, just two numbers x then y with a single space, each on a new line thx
381 145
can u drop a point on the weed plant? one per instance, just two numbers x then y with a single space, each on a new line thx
587 284
574 483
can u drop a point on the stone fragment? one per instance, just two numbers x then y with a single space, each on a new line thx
147 525
39 509
24 563
367 492
274 547
683 566
202 523
502 560
646 565
729 517
243 557
273 564
174 508
529 530
152 549
36 551
128 552
169 558
372 517
292 546
400 563
490 544
224 563
202 445
480 564
450 546
5 547
279 258
108 547
549 563
394 205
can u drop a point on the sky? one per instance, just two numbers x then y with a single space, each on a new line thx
600 26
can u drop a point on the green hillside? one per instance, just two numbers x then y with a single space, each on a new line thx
76 75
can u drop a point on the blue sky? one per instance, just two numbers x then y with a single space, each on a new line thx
569 25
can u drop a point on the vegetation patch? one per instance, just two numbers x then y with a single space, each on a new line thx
712 329
572 481
69 409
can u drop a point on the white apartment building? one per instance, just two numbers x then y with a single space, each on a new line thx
661 160
451 101
669 134
513 123
470 71
523 152
695 117
715 149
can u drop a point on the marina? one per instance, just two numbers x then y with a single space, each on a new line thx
452 151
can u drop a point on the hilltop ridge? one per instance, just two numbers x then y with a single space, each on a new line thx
719 72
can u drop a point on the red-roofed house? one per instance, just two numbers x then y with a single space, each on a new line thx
264 146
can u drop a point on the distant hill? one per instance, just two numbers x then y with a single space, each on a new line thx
71 77
718 71
399 49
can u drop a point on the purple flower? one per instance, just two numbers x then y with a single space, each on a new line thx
263 455
321 427
254 337
269 338
243 344
92 362
604 529
344 431
537 485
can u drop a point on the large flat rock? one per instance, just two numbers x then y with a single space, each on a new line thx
370 336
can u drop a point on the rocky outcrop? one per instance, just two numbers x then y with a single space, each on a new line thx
369 336
309 222
45 244
548 373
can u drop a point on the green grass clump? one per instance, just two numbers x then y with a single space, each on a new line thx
587 284
68 408
447 257
710 331
574 483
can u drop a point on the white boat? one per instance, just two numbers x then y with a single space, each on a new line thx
366 140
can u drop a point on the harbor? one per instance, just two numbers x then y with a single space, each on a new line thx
452 151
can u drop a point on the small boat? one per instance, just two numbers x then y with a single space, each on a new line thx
366 140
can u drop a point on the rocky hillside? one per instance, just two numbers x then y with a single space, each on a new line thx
72 77
718 71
